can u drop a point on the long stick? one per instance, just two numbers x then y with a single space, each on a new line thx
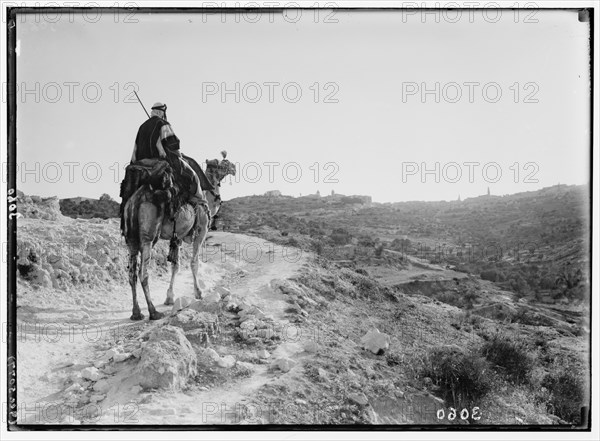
140 101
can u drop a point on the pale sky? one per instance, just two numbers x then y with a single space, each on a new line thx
369 59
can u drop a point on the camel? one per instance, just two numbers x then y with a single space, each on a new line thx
215 172
146 220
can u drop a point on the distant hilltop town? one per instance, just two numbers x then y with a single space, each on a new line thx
333 197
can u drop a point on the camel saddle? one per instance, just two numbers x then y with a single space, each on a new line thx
151 172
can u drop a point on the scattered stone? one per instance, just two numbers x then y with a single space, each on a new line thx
75 387
285 364
245 365
226 362
137 353
190 318
121 357
168 359
358 398
223 291
199 337
210 303
263 353
108 355
90 373
94 398
208 356
399 394
323 374
245 318
147 399
253 340
100 363
250 325
265 333
375 341
136 389
261 325
294 308
311 346
301 402
72 399
181 303
101 386
109 370
231 306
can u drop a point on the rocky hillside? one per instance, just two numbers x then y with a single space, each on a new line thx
56 251
364 334
535 244
87 208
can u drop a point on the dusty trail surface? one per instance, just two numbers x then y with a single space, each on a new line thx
57 343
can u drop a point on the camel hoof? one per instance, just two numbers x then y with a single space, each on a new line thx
198 294
156 315
169 301
138 316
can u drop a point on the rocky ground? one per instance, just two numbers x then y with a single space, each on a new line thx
280 336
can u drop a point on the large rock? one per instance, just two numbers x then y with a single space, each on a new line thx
285 364
101 386
90 373
375 341
227 361
167 361
223 291
189 319
358 398
210 303
181 302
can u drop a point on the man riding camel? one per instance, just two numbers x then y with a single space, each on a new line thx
156 139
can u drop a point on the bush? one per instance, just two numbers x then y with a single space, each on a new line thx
490 275
339 236
568 395
510 354
463 378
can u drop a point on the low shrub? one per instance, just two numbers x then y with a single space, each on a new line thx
463 377
511 354
568 392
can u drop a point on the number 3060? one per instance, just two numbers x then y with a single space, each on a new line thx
464 414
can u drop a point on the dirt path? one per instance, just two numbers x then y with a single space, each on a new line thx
57 343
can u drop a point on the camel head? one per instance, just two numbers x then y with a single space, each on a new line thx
220 169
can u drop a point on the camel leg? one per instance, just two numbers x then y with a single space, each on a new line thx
174 270
198 240
133 263
145 261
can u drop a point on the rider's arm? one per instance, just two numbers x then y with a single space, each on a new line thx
168 138
134 151
159 147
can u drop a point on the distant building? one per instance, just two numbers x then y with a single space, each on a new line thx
273 194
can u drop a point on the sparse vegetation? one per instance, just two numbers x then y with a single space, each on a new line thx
510 354
567 391
463 377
